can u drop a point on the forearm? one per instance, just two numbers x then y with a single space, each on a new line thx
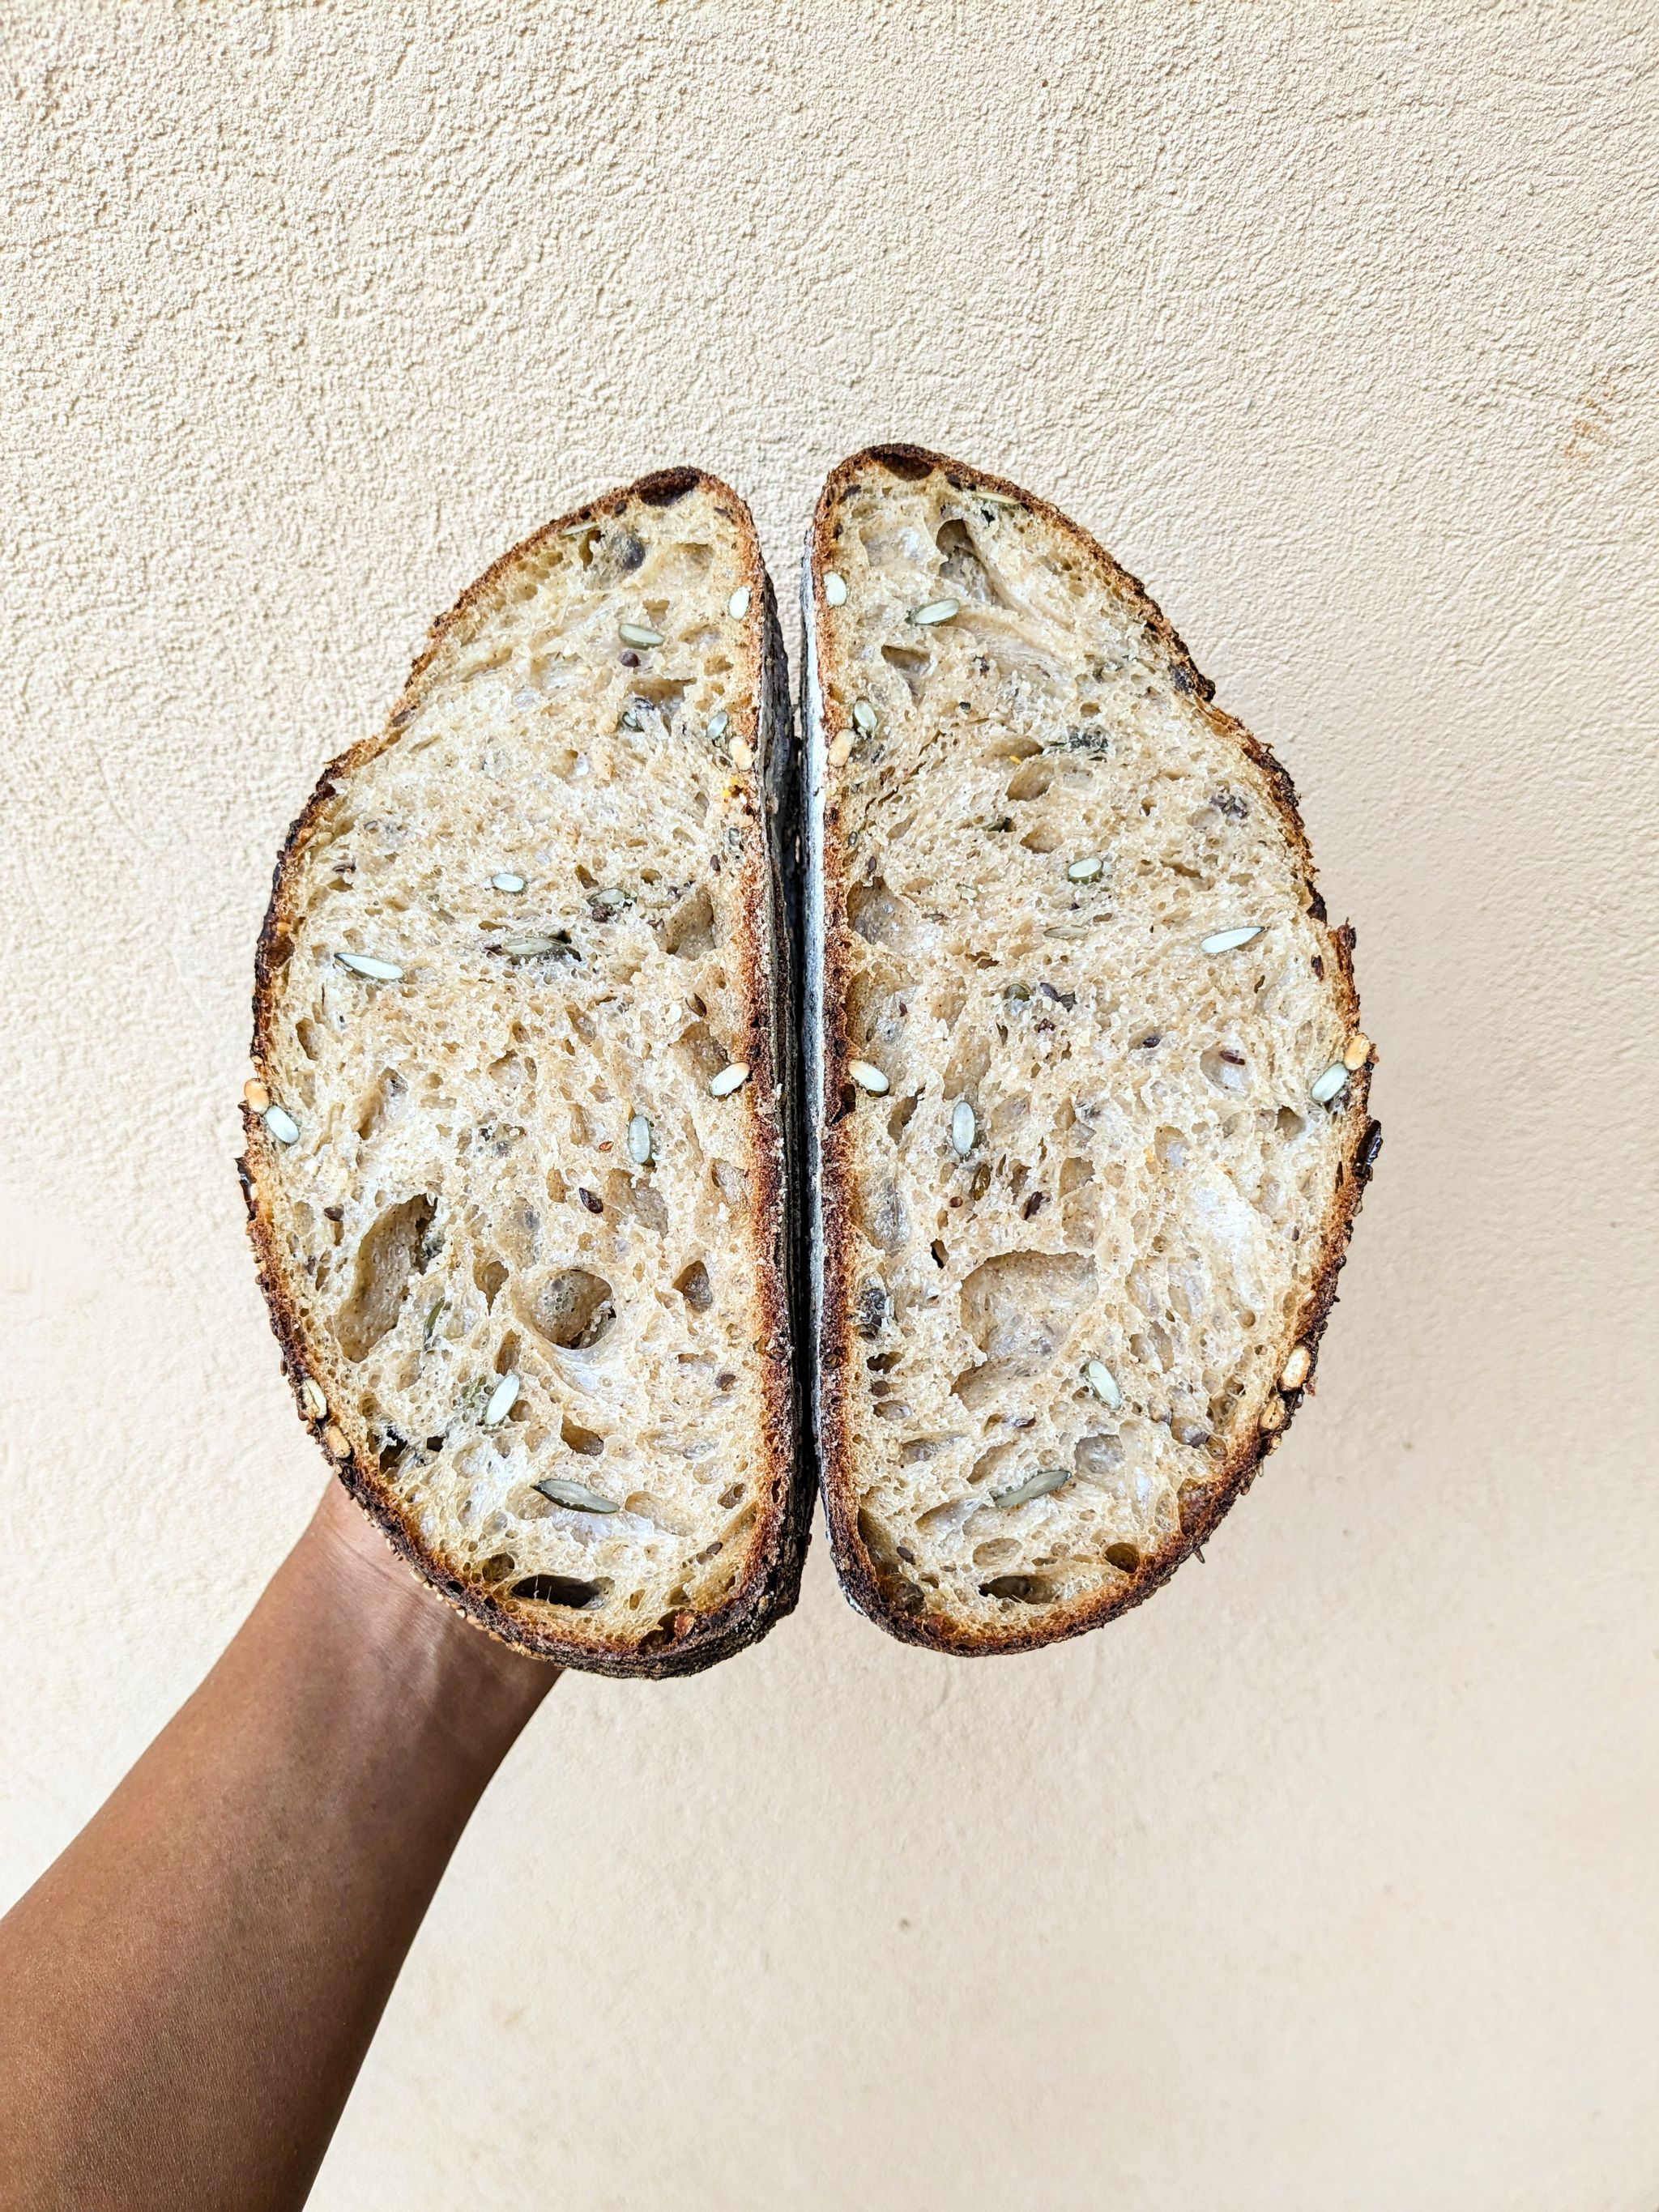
187 1993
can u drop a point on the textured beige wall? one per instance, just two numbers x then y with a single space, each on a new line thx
1329 1880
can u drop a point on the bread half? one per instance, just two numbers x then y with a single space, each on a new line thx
1087 1092
517 1141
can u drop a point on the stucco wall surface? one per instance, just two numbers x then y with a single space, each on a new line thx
1329 1880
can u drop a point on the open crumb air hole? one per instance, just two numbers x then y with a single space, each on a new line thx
560 1590
573 1309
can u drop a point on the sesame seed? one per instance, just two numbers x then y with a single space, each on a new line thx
1104 1384
503 1400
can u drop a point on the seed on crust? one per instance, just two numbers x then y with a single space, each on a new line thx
312 1398
1326 1087
255 1093
1273 1415
742 758
335 1444
1358 1052
1294 1373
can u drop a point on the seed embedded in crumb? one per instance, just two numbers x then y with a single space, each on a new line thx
729 1080
640 1140
530 948
1229 941
936 610
255 1094
312 1398
1294 1371
377 972
503 1400
834 588
742 758
865 715
737 605
1086 871
637 633
867 1077
1326 1087
1358 1052
1274 1415
842 751
281 1125
506 881
1040 1485
335 1444
1104 1384
719 724
963 1128
591 1200
559 1490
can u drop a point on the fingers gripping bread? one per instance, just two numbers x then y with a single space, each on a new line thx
516 1146
1087 1096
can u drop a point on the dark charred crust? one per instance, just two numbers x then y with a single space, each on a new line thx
771 1582
910 462
884 1600
665 486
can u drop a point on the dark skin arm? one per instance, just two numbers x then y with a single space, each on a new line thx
186 1995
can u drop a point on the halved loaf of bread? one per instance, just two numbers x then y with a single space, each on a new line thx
517 1141
1088 1096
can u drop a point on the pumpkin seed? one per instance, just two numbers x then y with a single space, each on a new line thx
1046 1480
561 1490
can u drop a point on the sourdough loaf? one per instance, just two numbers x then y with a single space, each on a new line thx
517 1140
1086 1093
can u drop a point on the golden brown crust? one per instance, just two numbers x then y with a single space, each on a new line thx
769 1588
860 1579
